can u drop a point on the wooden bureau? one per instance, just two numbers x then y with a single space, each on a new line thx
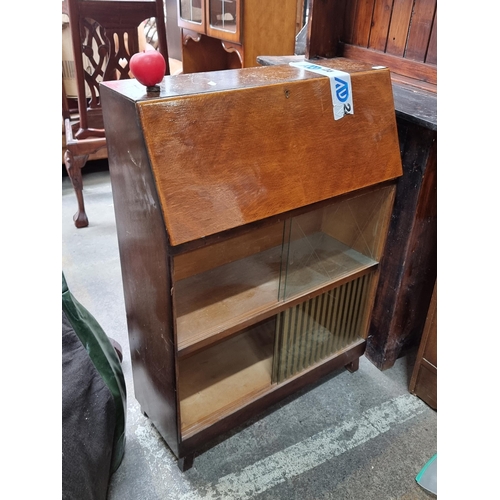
250 225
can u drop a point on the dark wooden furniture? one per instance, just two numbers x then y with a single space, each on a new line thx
227 34
401 36
409 267
250 225
423 382
105 36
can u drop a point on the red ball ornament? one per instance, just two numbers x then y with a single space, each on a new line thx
148 67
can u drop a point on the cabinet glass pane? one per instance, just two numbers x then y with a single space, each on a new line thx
320 327
331 243
220 286
191 10
220 379
223 15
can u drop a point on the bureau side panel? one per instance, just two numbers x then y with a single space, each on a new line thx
143 247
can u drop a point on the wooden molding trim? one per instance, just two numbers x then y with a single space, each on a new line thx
190 35
233 47
404 67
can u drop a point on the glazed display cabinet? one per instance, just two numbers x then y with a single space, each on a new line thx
251 224
228 34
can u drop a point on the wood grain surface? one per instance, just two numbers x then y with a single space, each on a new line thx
229 158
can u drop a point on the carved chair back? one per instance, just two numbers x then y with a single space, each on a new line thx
105 35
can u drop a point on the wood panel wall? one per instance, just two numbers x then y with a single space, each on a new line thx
400 34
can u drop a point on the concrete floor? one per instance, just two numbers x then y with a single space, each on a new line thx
353 436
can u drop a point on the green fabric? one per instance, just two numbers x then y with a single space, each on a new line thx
106 361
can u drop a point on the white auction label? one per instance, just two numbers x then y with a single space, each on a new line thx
340 86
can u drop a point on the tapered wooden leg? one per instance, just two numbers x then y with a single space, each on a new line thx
185 463
353 365
74 165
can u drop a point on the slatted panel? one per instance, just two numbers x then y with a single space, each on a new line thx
400 34
362 22
320 327
431 57
380 24
349 16
398 31
420 30
404 28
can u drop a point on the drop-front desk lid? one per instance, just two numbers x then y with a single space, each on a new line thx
228 148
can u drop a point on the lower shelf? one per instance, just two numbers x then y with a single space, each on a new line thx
224 377
229 375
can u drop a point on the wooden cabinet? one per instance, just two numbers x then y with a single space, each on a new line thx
423 382
250 225
226 34
216 18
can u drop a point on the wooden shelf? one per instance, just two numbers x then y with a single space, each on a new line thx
213 303
223 378
319 258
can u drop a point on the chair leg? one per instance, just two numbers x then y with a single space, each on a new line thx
74 165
